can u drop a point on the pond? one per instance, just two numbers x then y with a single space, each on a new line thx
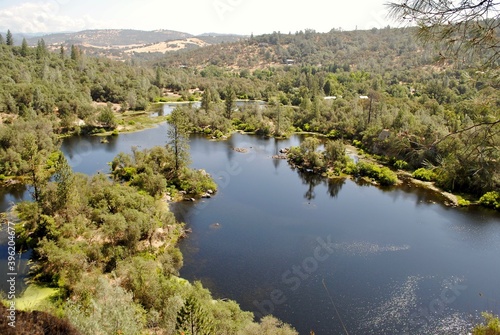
327 256
168 107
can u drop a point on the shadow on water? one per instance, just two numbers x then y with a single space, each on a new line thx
11 195
311 180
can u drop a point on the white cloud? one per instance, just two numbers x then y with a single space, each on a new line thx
35 17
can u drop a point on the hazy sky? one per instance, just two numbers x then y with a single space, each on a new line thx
192 16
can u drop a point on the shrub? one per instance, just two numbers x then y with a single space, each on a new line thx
462 202
351 168
491 200
387 177
357 144
381 174
197 182
424 174
491 326
400 164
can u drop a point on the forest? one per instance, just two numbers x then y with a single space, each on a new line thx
95 237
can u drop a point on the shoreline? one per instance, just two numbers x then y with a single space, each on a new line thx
452 200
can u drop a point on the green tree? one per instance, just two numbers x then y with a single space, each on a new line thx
159 78
34 158
178 138
110 311
206 100
327 88
24 48
2 40
461 28
41 49
64 178
335 153
107 117
192 319
229 97
9 38
75 53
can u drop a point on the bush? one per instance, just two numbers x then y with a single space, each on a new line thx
491 200
399 164
462 202
357 144
351 168
491 326
381 174
424 174
197 182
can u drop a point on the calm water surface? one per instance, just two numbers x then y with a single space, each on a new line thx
326 256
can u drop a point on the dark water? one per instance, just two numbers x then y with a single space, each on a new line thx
328 256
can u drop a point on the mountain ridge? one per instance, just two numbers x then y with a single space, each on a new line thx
125 43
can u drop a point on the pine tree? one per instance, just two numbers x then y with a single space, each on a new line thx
206 100
9 38
178 138
75 53
2 41
63 176
230 96
193 320
24 48
41 49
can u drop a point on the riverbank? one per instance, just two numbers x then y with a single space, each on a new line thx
350 171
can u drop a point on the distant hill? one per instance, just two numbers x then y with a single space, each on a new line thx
124 43
379 50
111 37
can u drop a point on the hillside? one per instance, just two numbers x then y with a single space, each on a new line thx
121 44
370 50
111 37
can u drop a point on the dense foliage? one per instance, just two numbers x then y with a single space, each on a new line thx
112 252
66 85
399 104
95 238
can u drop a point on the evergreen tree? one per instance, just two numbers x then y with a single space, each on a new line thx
459 28
9 38
24 48
41 49
178 138
206 100
75 53
158 79
230 96
2 40
193 320
63 176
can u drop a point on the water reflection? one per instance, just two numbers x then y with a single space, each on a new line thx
311 180
11 195
111 144
334 186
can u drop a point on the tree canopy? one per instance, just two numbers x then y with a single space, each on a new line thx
463 28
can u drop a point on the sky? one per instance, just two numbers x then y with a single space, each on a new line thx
192 16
